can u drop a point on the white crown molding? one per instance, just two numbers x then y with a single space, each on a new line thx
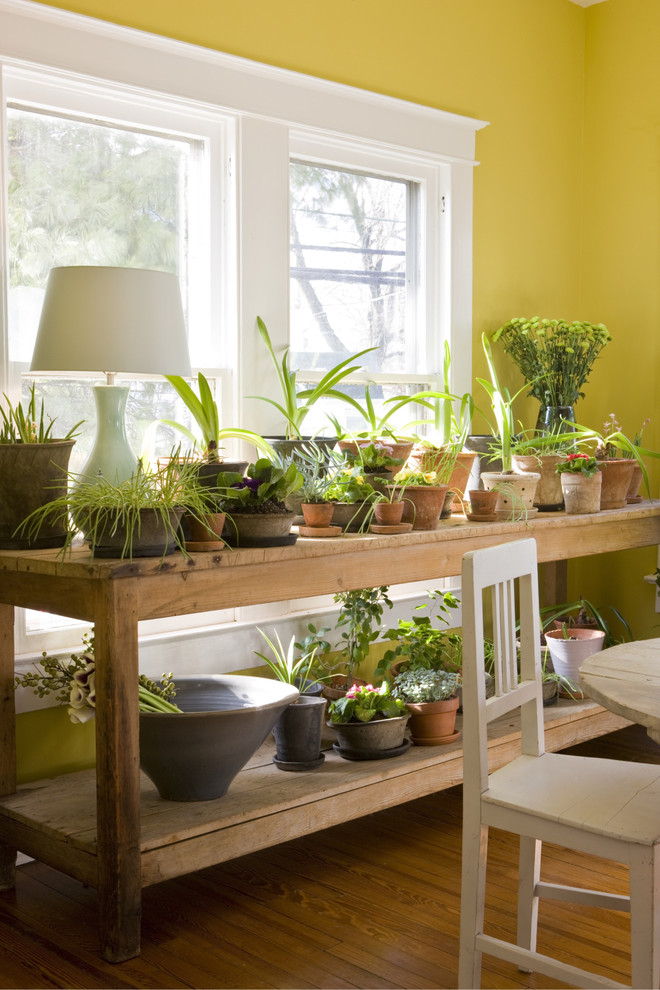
48 37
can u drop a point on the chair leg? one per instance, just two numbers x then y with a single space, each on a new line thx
645 917
473 894
529 871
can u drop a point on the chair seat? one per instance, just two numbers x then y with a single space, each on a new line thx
610 798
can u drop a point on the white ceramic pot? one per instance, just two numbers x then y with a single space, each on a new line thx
568 655
516 493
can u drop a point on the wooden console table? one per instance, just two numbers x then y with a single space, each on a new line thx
109 828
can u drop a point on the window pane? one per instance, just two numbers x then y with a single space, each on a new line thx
84 193
349 268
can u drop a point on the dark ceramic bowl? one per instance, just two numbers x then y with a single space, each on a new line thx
226 717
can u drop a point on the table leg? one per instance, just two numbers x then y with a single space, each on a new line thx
553 584
118 770
7 735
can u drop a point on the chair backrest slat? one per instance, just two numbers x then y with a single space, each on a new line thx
508 573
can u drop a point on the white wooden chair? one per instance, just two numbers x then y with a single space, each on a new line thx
603 807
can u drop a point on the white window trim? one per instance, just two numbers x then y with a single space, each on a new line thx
276 109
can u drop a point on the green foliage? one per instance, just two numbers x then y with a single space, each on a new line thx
349 485
204 410
555 357
359 619
502 406
419 685
286 666
316 467
582 612
376 426
365 703
265 481
422 644
21 425
292 409
372 456
101 507
578 464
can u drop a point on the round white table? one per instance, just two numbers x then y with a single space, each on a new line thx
626 680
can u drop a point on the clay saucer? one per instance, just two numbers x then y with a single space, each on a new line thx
486 517
398 528
319 531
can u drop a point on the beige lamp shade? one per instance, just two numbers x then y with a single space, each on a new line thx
111 320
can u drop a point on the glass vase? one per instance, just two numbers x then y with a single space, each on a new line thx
555 419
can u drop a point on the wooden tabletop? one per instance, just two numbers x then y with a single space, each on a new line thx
626 680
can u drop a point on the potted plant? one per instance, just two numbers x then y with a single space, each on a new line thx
555 358
369 723
255 501
431 698
299 728
616 455
425 494
140 517
204 411
449 429
581 483
352 497
33 472
555 684
359 620
581 614
314 466
296 405
420 643
569 648
377 427
516 491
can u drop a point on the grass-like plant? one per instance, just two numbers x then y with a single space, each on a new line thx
26 425
102 509
286 665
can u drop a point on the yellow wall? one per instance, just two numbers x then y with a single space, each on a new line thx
566 193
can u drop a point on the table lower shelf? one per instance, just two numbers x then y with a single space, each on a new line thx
54 821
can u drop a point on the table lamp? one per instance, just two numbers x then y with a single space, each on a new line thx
111 320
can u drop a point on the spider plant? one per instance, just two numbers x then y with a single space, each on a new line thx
502 405
292 409
204 410
103 510
286 666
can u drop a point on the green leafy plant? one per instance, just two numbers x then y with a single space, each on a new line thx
365 703
423 644
420 685
204 411
26 425
291 407
102 508
359 619
451 414
265 485
554 356
611 443
286 665
578 464
316 467
375 426
582 612
372 456
444 465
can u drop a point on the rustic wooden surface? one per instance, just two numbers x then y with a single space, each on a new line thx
370 903
115 595
626 679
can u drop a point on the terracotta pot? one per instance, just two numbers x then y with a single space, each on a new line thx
427 458
198 533
481 447
581 494
549 497
568 655
338 686
388 513
617 475
317 514
422 505
482 503
516 493
632 495
433 723
375 740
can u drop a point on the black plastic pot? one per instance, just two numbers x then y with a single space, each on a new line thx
298 734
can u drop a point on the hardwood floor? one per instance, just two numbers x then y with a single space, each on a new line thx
373 903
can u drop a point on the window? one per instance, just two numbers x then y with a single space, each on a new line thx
180 157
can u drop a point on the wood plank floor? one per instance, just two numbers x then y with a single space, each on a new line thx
373 903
